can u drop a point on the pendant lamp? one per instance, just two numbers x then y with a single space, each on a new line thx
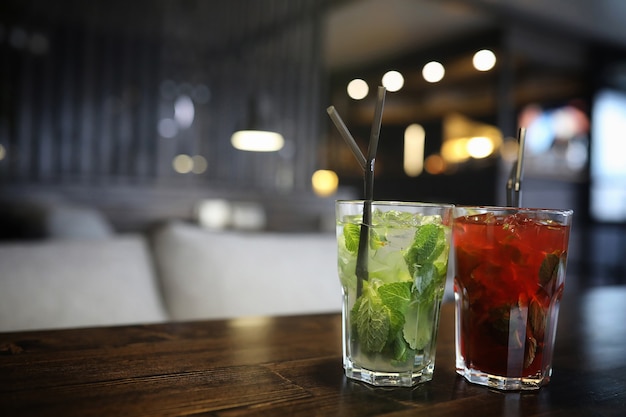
256 134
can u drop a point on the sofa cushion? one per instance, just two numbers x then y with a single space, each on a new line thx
75 283
208 274
76 222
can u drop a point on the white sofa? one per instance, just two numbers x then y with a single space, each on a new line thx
178 272
229 274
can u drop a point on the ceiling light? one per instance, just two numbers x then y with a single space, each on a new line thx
256 136
433 72
257 141
358 89
393 81
484 60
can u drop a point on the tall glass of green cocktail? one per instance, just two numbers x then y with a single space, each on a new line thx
392 288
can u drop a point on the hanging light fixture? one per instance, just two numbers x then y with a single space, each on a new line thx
256 136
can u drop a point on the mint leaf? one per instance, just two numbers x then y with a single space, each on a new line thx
351 234
537 318
400 349
549 268
396 322
402 352
378 316
427 260
372 321
396 295
428 278
428 244
441 265
418 327
499 317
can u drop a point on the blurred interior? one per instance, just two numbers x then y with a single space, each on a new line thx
128 108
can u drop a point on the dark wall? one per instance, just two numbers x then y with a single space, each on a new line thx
84 87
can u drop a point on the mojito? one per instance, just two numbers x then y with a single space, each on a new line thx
391 317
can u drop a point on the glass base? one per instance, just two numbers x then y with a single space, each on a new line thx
389 379
503 383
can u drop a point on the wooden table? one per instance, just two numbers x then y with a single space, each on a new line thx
292 366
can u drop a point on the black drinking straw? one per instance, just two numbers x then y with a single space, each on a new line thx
514 184
345 134
367 165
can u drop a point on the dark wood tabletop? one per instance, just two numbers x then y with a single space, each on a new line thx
289 366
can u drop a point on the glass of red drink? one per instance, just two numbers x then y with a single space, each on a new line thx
509 276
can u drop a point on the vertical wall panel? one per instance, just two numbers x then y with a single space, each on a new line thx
23 136
46 101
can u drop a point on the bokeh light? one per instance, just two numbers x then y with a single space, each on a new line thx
167 128
184 111
183 164
455 150
433 72
414 138
257 141
393 81
484 60
199 164
435 164
480 147
357 89
324 182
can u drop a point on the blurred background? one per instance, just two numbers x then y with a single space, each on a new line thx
130 108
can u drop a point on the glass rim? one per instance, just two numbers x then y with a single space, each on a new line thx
485 208
397 203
